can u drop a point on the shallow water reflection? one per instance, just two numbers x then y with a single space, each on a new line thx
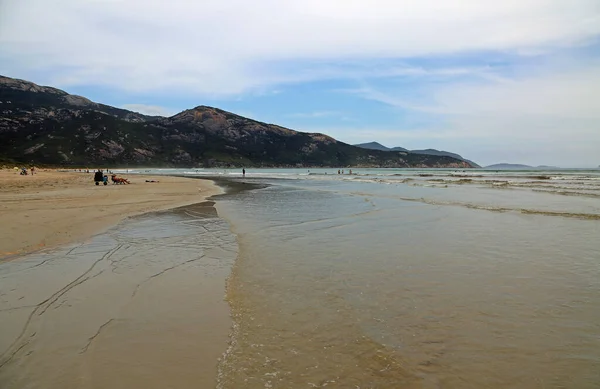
343 287
139 306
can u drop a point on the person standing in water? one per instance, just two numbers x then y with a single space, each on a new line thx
243 172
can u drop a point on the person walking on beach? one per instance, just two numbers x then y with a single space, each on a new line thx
243 172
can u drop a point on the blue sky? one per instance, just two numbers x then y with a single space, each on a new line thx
507 81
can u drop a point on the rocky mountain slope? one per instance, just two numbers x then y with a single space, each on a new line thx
44 125
379 146
444 153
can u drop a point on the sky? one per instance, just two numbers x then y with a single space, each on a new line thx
513 81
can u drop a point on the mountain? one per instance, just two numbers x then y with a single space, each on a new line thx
45 125
547 167
443 153
378 146
23 95
373 146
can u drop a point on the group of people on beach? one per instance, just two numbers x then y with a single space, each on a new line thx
100 177
23 171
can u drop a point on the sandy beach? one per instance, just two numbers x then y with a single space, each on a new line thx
97 290
51 208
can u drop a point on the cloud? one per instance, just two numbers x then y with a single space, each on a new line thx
479 78
550 118
227 47
152 110
574 94
557 96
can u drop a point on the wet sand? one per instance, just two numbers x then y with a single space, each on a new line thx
52 208
137 304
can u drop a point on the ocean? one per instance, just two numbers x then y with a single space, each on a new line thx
392 278
405 278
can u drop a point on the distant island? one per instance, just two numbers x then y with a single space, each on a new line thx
508 166
379 146
47 126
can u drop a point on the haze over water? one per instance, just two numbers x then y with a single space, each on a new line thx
415 279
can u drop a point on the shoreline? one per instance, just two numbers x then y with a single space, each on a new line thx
49 270
140 305
52 208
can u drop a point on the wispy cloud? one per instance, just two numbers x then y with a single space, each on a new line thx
152 110
212 48
573 93
553 116
371 93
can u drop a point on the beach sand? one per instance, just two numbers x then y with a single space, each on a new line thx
52 208
90 298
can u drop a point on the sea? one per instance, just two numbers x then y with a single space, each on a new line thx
411 278
392 278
